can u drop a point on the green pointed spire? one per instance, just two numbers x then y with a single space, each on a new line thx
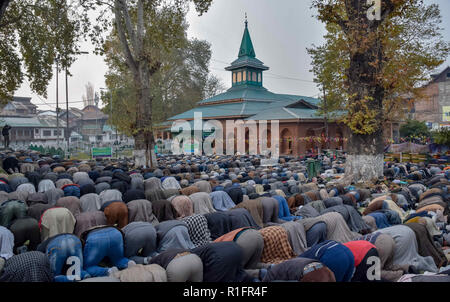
246 44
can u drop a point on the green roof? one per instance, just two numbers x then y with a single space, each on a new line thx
246 93
230 109
20 121
91 127
33 122
247 56
246 49
250 101
108 128
259 108
283 113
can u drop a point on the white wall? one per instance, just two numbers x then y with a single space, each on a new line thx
39 133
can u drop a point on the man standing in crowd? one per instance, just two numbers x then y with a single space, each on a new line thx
5 133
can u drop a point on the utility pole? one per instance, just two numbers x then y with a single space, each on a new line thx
112 144
57 104
67 114
326 117
67 105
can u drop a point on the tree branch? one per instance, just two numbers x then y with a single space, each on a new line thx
123 40
388 8
333 16
122 5
140 27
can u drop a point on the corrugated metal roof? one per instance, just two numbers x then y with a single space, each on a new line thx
244 109
20 121
256 104
282 113
50 121
91 127
244 92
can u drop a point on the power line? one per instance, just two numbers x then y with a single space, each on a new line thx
39 97
270 73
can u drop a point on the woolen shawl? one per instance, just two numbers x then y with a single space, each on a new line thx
219 223
222 262
337 228
141 210
164 210
255 208
406 248
222 201
183 205
202 203
297 236
198 229
276 245
88 220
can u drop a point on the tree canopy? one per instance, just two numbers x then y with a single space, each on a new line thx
177 86
368 66
412 47
146 31
34 34
414 128
442 136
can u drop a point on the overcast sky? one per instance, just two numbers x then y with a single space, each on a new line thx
280 30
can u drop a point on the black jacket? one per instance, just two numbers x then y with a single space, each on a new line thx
5 130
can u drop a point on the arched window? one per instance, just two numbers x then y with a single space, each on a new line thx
254 77
239 77
234 77
259 77
244 76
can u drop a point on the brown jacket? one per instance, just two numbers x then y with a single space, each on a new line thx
117 213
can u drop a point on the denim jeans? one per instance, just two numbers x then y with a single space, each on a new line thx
59 250
396 171
105 242
283 209
316 234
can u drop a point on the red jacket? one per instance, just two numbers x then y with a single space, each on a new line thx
359 249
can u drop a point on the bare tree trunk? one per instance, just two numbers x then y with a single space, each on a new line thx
365 158
133 50
144 140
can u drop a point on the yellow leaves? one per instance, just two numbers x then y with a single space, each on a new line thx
360 118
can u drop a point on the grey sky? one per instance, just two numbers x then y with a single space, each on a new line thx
281 31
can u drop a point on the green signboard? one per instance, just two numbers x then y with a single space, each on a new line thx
102 152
